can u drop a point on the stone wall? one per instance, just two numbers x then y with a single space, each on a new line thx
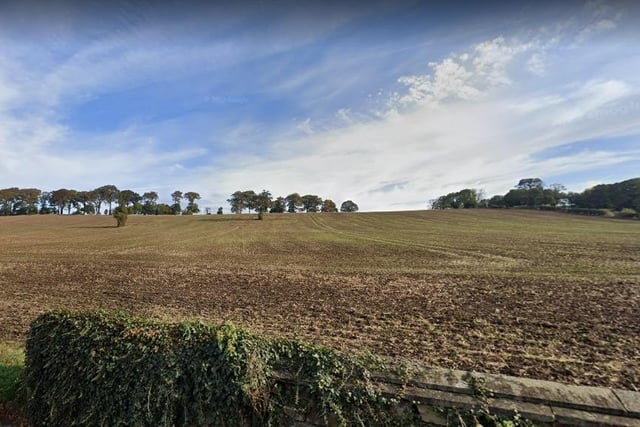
544 402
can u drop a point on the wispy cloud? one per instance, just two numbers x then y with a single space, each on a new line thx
471 121
602 18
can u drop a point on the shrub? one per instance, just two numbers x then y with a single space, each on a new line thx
109 368
549 208
97 369
589 211
121 216
627 213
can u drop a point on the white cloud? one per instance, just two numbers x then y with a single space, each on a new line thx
344 114
466 76
450 80
476 119
37 151
44 163
536 64
161 50
591 97
533 104
8 93
429 151
305 126
491 59
602 18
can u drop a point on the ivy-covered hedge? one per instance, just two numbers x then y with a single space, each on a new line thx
113 369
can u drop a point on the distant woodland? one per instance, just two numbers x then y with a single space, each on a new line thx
109 199
621 199
29 201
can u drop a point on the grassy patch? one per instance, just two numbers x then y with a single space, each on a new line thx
11 368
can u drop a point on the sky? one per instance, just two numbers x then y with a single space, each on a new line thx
389 104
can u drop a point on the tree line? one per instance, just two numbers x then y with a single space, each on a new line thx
109 200
28 201
264 202
621 197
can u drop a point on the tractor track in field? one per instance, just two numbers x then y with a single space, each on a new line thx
318 223
430 248
571 313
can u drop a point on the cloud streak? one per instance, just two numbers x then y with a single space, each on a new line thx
471 121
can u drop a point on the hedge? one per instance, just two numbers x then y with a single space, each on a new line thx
579 211
110 368
627 213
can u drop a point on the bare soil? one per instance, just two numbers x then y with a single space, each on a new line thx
541 295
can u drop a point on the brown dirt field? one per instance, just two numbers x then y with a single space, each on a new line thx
535 294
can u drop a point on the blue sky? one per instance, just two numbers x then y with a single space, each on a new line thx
389 104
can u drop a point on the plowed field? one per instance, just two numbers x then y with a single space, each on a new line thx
544 295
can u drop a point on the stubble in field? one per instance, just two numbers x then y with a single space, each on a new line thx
536 294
